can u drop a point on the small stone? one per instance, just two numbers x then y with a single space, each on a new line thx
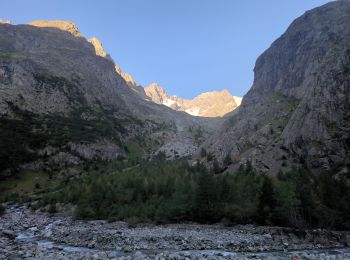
347 240
48 233
295 257
29 254
267 236
33 229
9 233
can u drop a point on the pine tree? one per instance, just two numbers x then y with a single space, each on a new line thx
267 202
204 199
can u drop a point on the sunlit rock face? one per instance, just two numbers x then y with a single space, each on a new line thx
99 50
59 24
209 104
297 113
98 47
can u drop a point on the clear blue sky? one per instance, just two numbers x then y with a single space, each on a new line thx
187 46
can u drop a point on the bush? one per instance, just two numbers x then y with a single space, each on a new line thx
52 208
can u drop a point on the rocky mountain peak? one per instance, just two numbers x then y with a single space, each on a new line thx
59 24
208 104
222 93
2 21
157 88
157 93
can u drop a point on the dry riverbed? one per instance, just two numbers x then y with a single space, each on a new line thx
37 235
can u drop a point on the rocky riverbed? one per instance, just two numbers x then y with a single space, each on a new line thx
37 235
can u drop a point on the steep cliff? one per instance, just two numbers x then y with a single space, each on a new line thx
297 113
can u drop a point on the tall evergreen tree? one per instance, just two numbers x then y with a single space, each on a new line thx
267 202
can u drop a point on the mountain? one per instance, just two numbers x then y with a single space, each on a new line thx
62 102
297 113
209 104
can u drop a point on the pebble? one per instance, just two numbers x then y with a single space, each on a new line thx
117 240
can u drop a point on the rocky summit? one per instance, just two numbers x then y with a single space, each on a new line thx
297 113
209 104
59 24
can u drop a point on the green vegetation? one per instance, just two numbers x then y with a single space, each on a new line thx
136 190
165 192
139 147
12 55
32 132
16 136
25 185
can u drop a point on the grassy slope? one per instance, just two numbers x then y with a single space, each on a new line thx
27 184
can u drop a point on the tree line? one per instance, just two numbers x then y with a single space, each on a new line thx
164 192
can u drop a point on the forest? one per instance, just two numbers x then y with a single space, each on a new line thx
167 192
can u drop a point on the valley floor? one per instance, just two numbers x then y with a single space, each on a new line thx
36 235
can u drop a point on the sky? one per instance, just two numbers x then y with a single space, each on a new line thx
187 46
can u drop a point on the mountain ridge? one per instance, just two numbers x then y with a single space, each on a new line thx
207 104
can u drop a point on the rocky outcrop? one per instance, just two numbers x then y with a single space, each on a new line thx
127 77
59 24
209 104
157 94
99 151
297 113
132 83
99 49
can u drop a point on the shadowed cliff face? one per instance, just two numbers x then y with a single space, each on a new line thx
54 71
56 93
297 113
62 101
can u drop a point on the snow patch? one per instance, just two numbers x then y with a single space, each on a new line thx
193 111
238 100
168 102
